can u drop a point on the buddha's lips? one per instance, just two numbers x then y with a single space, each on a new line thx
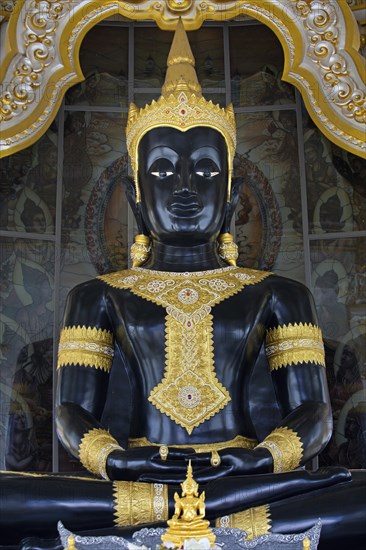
185 207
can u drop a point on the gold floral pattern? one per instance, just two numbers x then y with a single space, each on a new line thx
285 447
190 392
87 346
254 521
291 344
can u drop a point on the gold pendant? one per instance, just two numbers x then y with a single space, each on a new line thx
189 392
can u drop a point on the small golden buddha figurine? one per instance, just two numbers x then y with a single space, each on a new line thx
187 521
71 543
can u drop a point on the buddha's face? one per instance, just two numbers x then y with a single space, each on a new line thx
183 184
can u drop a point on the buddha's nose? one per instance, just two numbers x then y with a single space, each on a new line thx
185 181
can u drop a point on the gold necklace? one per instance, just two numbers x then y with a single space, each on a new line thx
189 392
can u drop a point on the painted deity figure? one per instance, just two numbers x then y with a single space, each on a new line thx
183 357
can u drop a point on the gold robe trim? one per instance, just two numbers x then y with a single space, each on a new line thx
136 503
254 521
286 449
238 442
189 392
292 344
94 448
87 346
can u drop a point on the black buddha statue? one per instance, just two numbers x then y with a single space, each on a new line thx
184 357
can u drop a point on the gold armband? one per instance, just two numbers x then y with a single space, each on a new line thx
87 346
255 521
285 447
292 344
137 503
94 449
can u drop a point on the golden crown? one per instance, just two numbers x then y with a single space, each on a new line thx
180 106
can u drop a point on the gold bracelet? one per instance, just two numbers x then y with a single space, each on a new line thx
103 456
138 503
94 449
285 447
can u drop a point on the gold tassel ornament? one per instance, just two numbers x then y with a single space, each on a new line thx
140 250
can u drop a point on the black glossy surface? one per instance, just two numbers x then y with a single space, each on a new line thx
184 208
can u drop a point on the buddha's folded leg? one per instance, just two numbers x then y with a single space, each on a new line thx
32 504
340 507
231 494
83 504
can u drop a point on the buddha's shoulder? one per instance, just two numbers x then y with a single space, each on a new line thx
277 284
97 285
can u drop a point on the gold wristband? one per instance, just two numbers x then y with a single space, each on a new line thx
285 447
138 503
254 521
103 456
94 449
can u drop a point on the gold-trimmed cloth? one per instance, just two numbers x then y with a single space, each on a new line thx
254 521
294 343
89 346
238 442
94 449
138 503
285 447
189 392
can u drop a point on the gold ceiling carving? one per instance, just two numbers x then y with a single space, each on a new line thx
320 40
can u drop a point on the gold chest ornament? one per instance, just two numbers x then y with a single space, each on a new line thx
189 392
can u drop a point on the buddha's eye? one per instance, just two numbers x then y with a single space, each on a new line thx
162 174
207 173
162 168
206 168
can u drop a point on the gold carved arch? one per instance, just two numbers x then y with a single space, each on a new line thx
42 38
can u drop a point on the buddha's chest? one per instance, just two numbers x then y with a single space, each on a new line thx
189 339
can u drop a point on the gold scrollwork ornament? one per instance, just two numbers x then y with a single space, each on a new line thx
179 5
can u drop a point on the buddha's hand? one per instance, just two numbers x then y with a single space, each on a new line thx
133 464
231 462
228 462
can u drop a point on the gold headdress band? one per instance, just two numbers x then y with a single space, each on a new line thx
180 106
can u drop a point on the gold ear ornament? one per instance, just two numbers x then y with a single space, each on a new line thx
140 250
181 106
228 250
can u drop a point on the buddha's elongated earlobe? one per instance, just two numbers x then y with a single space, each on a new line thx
227 248
141 248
